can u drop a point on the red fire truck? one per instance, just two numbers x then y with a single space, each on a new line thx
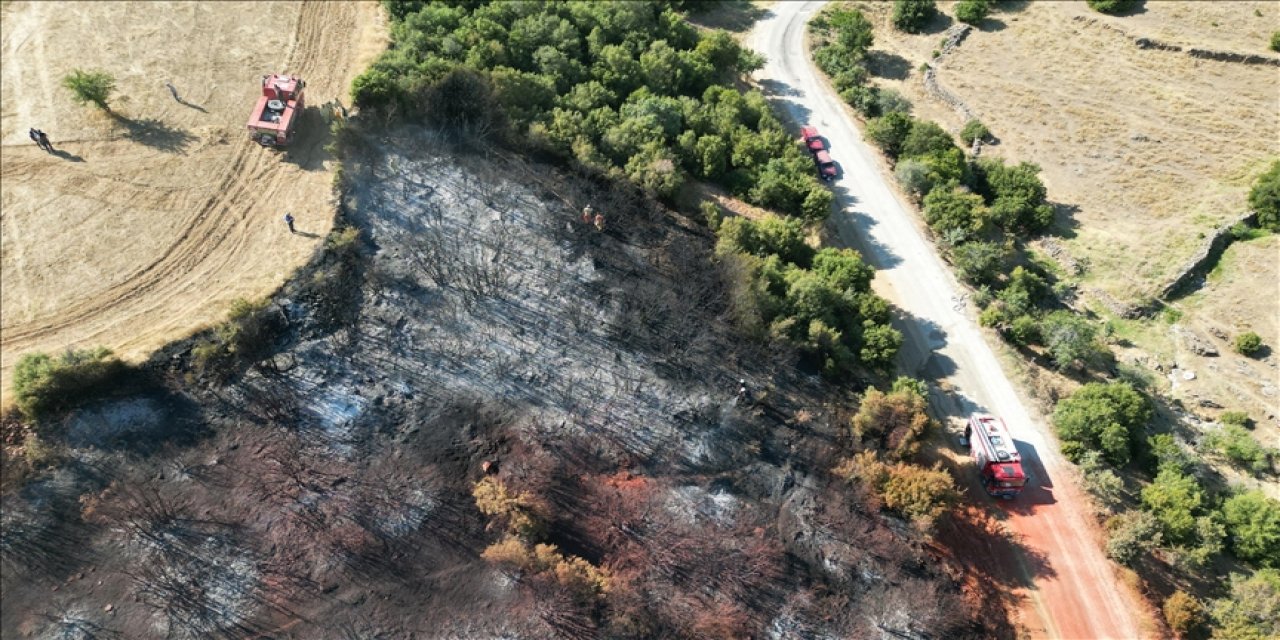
999 464
275 117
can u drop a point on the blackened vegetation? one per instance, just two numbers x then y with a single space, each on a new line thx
493 334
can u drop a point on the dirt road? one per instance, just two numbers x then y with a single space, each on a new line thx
148 222
1067 587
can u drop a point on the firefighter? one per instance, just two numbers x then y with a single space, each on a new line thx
35 137
44 141
288 219
599 222
587 214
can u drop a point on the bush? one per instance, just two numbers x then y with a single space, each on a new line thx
242 339
888 100
1253 520
972 11
1112 7
1015 193
90 87
45 385
1174 498
584 581
1252 610
979 263
1130 534
947 208
926 138
1238 418
1071 340
974 130
1105 417
1101 482
1236 444
1183 612
517 513
771 235
1166 452
889 132
1264 197
911 15
1275 41
1247 343
913 176
918 493
894 420
1025 330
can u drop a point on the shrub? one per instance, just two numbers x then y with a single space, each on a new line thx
1236 444
1174 498
374 89
1112 6
1071 340
918 493
1253 520
913 175
1101 482
517 513
979 262
1105 417
1130 534
1015 193
1166 452
925 138
244 337
771 235
911 15
972 11
1275 41
1238 418
888 100
889 131
974 130
90 87
1247 343
584 581
45 385
1252 610
711 214
947 208
1183 612
895 420
1025 330
1264 197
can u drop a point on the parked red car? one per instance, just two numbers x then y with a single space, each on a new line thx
812 139
826 166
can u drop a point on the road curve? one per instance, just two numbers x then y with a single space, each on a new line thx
1067 587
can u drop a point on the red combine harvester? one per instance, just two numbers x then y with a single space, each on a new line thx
275 117
999 464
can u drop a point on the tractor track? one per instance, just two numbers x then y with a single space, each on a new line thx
223 222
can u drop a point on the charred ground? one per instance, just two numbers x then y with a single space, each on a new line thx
326 490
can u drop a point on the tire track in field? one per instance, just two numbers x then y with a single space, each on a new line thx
215 236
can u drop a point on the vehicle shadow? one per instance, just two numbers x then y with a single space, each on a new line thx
310 149
153 133
1039 488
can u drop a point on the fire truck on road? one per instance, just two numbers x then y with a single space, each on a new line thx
999 464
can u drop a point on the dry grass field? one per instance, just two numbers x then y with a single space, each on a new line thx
147 224
1147 150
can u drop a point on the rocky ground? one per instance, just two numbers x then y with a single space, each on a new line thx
326 491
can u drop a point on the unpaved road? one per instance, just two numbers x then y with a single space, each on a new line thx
1067 587
145 226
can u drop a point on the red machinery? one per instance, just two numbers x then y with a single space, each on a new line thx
999 464
275 117
813 139
817 145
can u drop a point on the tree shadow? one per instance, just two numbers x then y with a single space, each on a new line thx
1064 223
991 25
776 88
888 65
937 24
154 133
312 142
734 16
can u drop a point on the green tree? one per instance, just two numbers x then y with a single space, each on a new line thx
771 235
1252 610
1166 452
974 130
972 11
1174 498
44 385
854 33
1101 482
895 421
925 138
1112 6
914 176
843 269
948 208
1096 409
880 344
1071 340
911 15
90 87
979 262
890 131
1016 194
1253 521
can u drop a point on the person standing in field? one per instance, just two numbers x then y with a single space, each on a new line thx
35 137
288 219
44 141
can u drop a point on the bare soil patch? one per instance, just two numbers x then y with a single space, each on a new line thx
144 226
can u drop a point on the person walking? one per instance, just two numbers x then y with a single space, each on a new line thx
599 222
586 214
288 219
173 90
35 137
44 141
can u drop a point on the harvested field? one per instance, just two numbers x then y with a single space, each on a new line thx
327 493
147 223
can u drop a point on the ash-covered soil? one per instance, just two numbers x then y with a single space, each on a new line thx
326 492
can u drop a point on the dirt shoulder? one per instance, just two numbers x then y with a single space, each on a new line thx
144 226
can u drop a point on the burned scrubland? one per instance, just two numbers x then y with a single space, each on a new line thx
477 328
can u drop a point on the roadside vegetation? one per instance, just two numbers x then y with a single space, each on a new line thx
1149 489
